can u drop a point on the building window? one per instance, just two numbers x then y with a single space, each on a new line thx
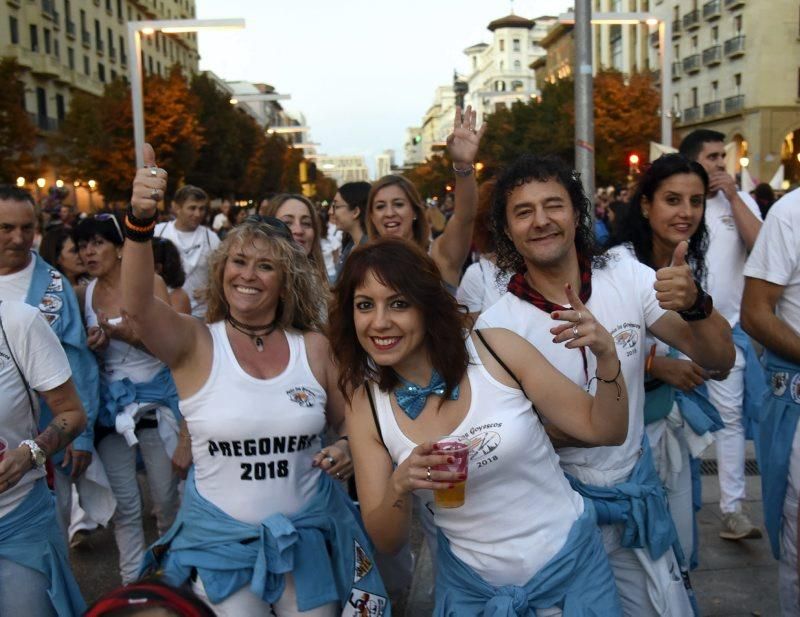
517 66
71 58
67 11
101 72
119 9
515 45
83 20
13 29
737 83
41 106
695 43
56 48
694 97
47 41
714 90
98 35
737 24
113 75
34 31
86 69
150 64
499 86
715 34
676 103
474 59
517 86
502 45
60 107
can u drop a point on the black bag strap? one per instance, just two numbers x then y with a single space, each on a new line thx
16 364
505 366
368 388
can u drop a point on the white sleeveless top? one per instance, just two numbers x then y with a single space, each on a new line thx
519 507
253 440
120 360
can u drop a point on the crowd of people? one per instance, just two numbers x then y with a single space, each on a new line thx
533 384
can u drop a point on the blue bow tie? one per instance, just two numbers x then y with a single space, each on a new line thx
411 398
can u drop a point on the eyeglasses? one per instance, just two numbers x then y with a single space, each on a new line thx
275 226
105 217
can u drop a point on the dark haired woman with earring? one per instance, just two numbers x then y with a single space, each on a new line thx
349 214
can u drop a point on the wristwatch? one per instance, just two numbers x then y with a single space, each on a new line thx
38 456
701 309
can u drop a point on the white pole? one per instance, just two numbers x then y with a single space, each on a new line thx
665 51
137 101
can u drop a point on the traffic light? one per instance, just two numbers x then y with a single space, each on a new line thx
417 139
633 165
633 159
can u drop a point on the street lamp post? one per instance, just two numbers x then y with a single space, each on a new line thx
584 109
168 26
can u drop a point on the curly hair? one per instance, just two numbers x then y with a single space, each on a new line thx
271 209
533 168
420 226
406 268
634 229
301 302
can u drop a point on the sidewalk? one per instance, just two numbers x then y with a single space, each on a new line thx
734 579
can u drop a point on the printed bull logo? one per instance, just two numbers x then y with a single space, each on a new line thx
302 396
627 339
778 383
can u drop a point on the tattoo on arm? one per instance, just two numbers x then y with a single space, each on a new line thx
56 436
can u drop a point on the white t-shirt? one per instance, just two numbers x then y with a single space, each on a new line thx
15 286
518 507
776 256
624 302
45 366
253 440
195 248
480 288
726 255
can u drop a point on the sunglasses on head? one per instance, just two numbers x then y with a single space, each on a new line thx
106 217
275 226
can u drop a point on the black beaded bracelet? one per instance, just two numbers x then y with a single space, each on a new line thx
609 381
137 229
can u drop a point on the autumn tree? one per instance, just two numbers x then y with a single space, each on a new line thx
432 177
17 132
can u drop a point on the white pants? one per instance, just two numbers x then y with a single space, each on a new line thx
671 459
244 603
788 587
70 516
727 396
646 588
119 461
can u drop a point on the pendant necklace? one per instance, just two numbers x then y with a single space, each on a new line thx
256 333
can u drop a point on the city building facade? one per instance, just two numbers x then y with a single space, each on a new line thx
384 164
343 168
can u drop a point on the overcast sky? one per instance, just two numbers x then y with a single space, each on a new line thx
360 70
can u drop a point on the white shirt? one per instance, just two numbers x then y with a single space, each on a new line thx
624 302
45 366
220 221
776 256
195 248
15 286
480 287
726 255
518 507
253 440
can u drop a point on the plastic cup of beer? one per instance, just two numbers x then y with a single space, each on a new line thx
3 448
458 449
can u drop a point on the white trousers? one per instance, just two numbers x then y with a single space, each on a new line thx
788 587
119 461
727 396
244 603
671 459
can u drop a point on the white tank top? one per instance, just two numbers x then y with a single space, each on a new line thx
253 440
120 360
519 507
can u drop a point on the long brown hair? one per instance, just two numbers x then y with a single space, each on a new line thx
407 269
420 227
271 209
301 300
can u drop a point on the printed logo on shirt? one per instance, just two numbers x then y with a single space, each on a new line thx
364 604
51 318
778 383
50 303
727 220
626 336
55 282
266 446
363 564
302 396
795 388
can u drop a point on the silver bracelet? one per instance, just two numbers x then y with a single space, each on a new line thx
463 173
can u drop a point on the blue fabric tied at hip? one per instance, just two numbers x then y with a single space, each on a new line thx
116 395
639 504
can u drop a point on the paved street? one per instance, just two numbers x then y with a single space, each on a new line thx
734 579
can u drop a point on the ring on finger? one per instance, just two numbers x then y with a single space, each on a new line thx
339 476
429 475
579 317
155 194
330 459
153 171
575 331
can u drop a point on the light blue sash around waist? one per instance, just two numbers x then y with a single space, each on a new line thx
777 426
30 537
322 545
639 504
578 579
116 395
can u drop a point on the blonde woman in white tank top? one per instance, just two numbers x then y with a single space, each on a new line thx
262 346
395 328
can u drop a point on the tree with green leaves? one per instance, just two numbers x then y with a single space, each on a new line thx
17 132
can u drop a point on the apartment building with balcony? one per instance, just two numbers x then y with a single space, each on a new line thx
81 45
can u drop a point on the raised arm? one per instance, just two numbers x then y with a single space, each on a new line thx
747 223
171 337
451 248
708 341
